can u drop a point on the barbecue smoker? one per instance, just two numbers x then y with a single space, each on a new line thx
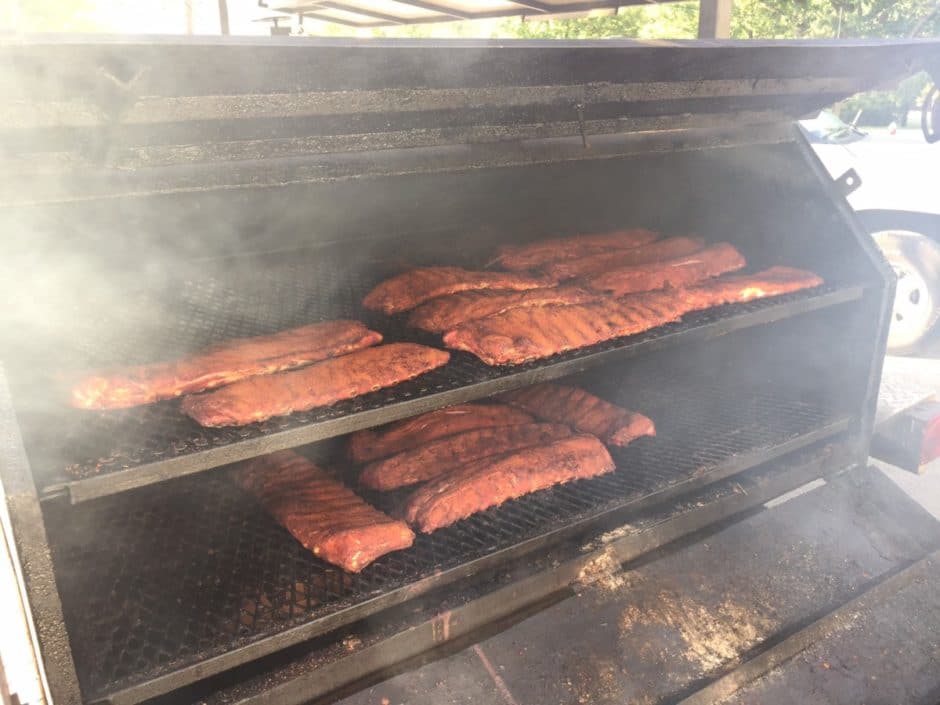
162 195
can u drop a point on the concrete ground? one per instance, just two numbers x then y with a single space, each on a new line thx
923 489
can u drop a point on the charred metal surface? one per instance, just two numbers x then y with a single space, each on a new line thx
29 537
663 629
880 647
109 110
494 601
208 582
96 454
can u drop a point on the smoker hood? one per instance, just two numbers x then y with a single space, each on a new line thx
90 118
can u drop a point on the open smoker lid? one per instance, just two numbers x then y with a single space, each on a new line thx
98 117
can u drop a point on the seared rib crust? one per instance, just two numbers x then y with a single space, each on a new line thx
416 286
260 398
374 443
522 334
322 513
438 457
582 410
222 364
490 482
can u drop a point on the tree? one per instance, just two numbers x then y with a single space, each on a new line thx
751 19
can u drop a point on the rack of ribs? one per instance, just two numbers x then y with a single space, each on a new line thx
537 254
260 398
669 248
582 410
676 272
438 457
445 312
416 286
372 444
222 364
523 334
490 482
322 513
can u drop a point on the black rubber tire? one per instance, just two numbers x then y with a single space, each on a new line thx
915 258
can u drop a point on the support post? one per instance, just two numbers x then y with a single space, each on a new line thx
223 16
714 19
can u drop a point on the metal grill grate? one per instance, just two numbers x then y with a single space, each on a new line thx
98 453
158 581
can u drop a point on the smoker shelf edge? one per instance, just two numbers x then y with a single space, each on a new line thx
131 694
93 487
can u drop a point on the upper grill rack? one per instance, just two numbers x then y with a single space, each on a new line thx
91 454
156 582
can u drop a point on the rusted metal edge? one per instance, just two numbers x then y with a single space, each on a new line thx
32 548
840 618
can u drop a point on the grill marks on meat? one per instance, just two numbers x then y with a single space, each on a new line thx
451 452
322 513
372 444
669 248
582 410
741 288
490 482
260 398
680 271
445 312
222 364
414 287
537 254
523 334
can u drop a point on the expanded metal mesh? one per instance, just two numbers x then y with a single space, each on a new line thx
165 577
250 298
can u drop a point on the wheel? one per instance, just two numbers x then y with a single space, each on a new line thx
915 259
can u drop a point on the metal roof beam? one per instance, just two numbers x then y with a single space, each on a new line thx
345 7
434 7
327 18
533 5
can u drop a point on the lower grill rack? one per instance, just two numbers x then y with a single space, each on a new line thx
157 582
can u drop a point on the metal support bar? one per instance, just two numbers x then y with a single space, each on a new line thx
223 17
714 19
534 5
434 7
336 20
345 7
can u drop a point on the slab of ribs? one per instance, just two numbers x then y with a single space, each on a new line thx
455 451
324 383
492 481
535 255
583 411
604 261
523 334
679 271
322 513
445 312
372 444
416 286
222 364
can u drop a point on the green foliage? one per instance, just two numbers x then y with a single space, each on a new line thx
625 24
751 19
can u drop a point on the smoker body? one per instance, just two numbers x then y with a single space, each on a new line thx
168 195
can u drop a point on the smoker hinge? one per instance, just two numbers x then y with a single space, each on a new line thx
848 182
584 140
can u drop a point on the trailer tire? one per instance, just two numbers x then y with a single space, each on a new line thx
915 259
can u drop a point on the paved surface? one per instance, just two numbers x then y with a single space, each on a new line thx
659 632
656 633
